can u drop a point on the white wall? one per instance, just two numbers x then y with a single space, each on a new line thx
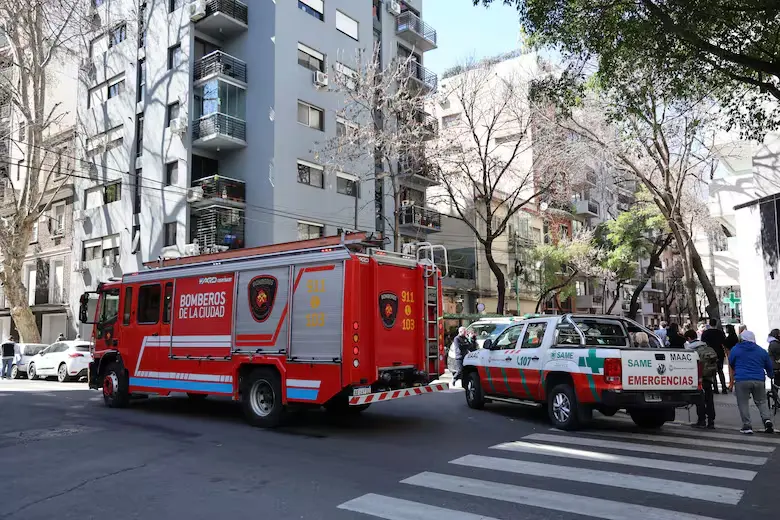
753 274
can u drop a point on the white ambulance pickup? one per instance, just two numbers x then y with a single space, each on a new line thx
574 364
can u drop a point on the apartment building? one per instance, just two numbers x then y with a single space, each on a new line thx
201 122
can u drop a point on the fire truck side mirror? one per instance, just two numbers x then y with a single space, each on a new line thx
84 309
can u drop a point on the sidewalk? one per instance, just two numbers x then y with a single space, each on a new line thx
726 413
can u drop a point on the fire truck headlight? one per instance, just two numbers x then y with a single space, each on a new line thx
355 363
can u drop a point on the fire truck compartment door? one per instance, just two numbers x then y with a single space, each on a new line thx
317 317
262 310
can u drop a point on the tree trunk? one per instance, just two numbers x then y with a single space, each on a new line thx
553 289
713 305
500 279
17 295
633 306
616 298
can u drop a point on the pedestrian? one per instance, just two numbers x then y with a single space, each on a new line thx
705 404
61 337
7 351
731 338
751 365
662 334
676 340
774 352
460 349
715 338
642 340
742 328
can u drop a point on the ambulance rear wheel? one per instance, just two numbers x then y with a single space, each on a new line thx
115 393
261 399
563 409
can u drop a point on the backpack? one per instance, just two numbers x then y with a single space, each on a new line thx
709 361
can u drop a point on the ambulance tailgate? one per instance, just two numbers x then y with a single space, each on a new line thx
660 369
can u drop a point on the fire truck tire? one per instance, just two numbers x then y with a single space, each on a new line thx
563 409
475 396
115 393
261 398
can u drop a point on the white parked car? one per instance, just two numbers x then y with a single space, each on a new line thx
65 359
24 353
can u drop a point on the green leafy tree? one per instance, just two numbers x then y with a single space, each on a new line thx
726 48
560 264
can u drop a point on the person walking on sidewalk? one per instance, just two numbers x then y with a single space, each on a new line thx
705 404
751 365
460 347
715 338
7 357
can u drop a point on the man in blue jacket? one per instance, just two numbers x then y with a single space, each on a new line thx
751 365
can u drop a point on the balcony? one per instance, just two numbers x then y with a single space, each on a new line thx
219 65
586 208
429 125
224 19
417 172
218 225
220 190
416 218
422 77
411 28
521 240
219 132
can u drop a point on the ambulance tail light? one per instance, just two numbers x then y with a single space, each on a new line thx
613 371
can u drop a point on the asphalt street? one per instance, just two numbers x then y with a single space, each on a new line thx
64 455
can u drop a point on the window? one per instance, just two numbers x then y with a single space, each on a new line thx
350 75
141 90
316 8
92 250
137 191
509 338
509 139
135 245
167 302
57 222
117 35
102 142
173 112
311 174
308 231
345 128
139 136
171 173
534 335
450 121
175 4
347 25
128 306
310 116
346 184
311 59
96 96
148 310
170 234
113 192
203 167
116 86
98 3
175 57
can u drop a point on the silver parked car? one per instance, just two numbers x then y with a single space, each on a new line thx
23 352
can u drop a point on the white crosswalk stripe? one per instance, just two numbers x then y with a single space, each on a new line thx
709 434
563 455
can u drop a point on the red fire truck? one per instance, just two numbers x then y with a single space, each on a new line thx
332 322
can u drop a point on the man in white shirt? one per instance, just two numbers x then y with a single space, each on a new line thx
661 333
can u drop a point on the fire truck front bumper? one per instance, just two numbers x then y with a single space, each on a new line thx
358 400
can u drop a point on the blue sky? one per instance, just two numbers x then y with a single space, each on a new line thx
466 31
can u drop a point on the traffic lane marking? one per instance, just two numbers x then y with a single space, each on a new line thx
390 508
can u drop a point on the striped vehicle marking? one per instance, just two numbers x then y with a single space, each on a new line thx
506 381
304 383
490 380
184 386
525 384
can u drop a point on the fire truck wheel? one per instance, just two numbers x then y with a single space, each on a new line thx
115 393
261 398
562 408
475 396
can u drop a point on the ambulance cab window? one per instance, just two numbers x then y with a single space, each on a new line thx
167 302
127 306
148 311
534 335
509 338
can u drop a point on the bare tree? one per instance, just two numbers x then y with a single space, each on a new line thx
381 124
497 156
37 34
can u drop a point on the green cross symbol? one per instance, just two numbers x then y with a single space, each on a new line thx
596 364
732 300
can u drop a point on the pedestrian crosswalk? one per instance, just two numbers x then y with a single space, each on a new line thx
617 474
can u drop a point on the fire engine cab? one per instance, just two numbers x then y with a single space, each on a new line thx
334 322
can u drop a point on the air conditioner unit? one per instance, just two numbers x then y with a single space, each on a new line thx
178 126
320 79
79 215
394 7
407 203
197 10
79 266
195 194
192 249
109 261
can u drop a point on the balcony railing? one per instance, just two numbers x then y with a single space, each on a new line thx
219 63
219 124
231 8
218 226
423 76
428 124
419 33
420 217
222 188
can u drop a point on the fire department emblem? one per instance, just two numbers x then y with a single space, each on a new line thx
262 293
388 309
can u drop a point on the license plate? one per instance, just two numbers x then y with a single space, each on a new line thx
652 397
361 390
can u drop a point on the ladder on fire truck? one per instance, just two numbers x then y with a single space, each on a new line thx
426 253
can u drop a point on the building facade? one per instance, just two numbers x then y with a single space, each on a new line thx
200 123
